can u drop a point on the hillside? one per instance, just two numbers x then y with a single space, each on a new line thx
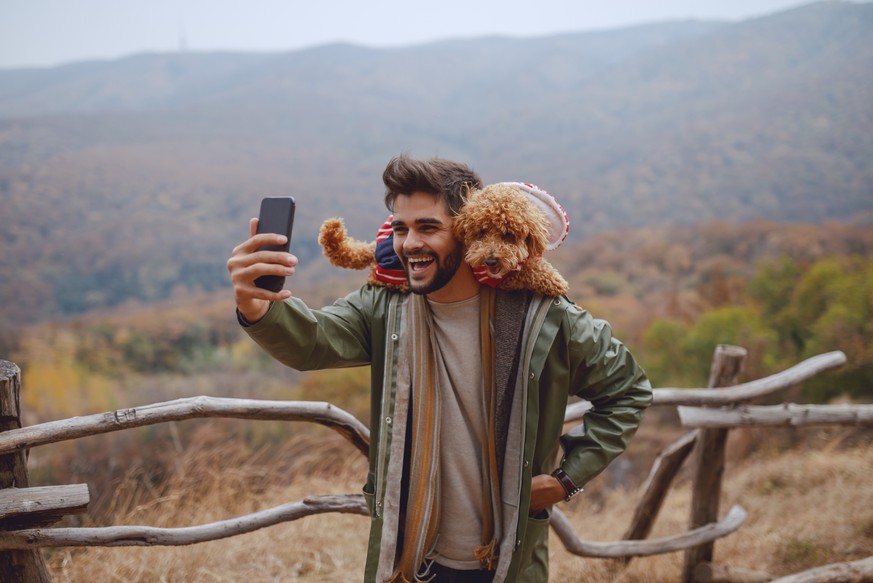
132 179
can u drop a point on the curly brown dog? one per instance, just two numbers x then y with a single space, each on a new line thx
505 234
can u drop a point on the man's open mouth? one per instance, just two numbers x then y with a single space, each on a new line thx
419 263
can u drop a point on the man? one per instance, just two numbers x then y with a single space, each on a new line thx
469 388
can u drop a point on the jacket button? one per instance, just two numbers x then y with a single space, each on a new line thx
394 337
532 375
388 420
526 464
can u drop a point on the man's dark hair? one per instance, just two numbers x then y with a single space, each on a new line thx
446 180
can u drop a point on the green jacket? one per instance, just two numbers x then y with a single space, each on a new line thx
561 351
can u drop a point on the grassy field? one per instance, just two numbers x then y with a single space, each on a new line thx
807 494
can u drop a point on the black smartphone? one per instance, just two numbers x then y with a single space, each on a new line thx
277 216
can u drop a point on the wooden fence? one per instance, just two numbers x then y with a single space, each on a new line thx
25 512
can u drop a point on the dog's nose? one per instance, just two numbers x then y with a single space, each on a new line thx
491 261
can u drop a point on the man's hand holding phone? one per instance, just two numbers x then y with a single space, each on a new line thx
258 267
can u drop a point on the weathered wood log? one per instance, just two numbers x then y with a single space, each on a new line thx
41 506
190 408
27 566
788 414
860 571
731 395
642 548
727 362
735 394
117 536
348 504
13 468
665 468
715 573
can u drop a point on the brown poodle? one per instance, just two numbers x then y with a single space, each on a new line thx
504 233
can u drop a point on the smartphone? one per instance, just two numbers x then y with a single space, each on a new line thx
277 216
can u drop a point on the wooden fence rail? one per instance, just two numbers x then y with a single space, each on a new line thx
787 415
696 408
325 414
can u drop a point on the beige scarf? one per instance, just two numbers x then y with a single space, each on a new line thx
423 505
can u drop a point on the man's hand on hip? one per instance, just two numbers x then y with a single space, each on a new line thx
545 490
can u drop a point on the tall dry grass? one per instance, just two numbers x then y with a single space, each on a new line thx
808 505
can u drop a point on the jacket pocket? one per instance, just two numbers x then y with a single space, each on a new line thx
370 492
534 561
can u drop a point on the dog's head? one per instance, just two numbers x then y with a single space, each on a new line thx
500 228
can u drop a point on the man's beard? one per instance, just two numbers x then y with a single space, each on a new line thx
446 270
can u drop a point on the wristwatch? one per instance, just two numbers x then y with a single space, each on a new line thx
570 488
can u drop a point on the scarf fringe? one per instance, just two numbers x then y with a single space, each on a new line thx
398 577
427 575
487 555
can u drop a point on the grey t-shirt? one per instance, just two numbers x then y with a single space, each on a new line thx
462 431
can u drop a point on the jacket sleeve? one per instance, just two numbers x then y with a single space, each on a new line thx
605 373
305 339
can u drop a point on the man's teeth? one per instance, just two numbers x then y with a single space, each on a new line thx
416 263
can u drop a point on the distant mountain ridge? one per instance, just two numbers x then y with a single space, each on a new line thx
133 178
172 80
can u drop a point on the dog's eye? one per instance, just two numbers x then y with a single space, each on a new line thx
482 233
508 237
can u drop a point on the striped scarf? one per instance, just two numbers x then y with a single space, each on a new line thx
423 505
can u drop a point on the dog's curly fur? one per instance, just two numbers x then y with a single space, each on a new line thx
500 228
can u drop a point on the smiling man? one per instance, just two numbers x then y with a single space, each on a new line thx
469 387
431 256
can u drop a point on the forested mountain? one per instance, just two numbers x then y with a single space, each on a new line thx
132 179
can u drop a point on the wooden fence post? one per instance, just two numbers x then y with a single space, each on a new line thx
16 566
727 362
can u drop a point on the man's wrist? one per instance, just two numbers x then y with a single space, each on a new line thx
570 488
252 315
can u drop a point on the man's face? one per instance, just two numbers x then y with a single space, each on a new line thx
424 242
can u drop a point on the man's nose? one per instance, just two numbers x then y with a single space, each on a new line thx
412 240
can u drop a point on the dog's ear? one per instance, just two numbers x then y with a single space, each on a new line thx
462 225
538 238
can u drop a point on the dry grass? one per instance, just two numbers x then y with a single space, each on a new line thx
807 507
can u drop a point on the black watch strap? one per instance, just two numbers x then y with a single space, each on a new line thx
570 488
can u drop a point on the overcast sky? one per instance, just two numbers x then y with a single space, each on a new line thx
51 32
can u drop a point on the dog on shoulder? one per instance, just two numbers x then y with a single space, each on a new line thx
504 228
505 235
